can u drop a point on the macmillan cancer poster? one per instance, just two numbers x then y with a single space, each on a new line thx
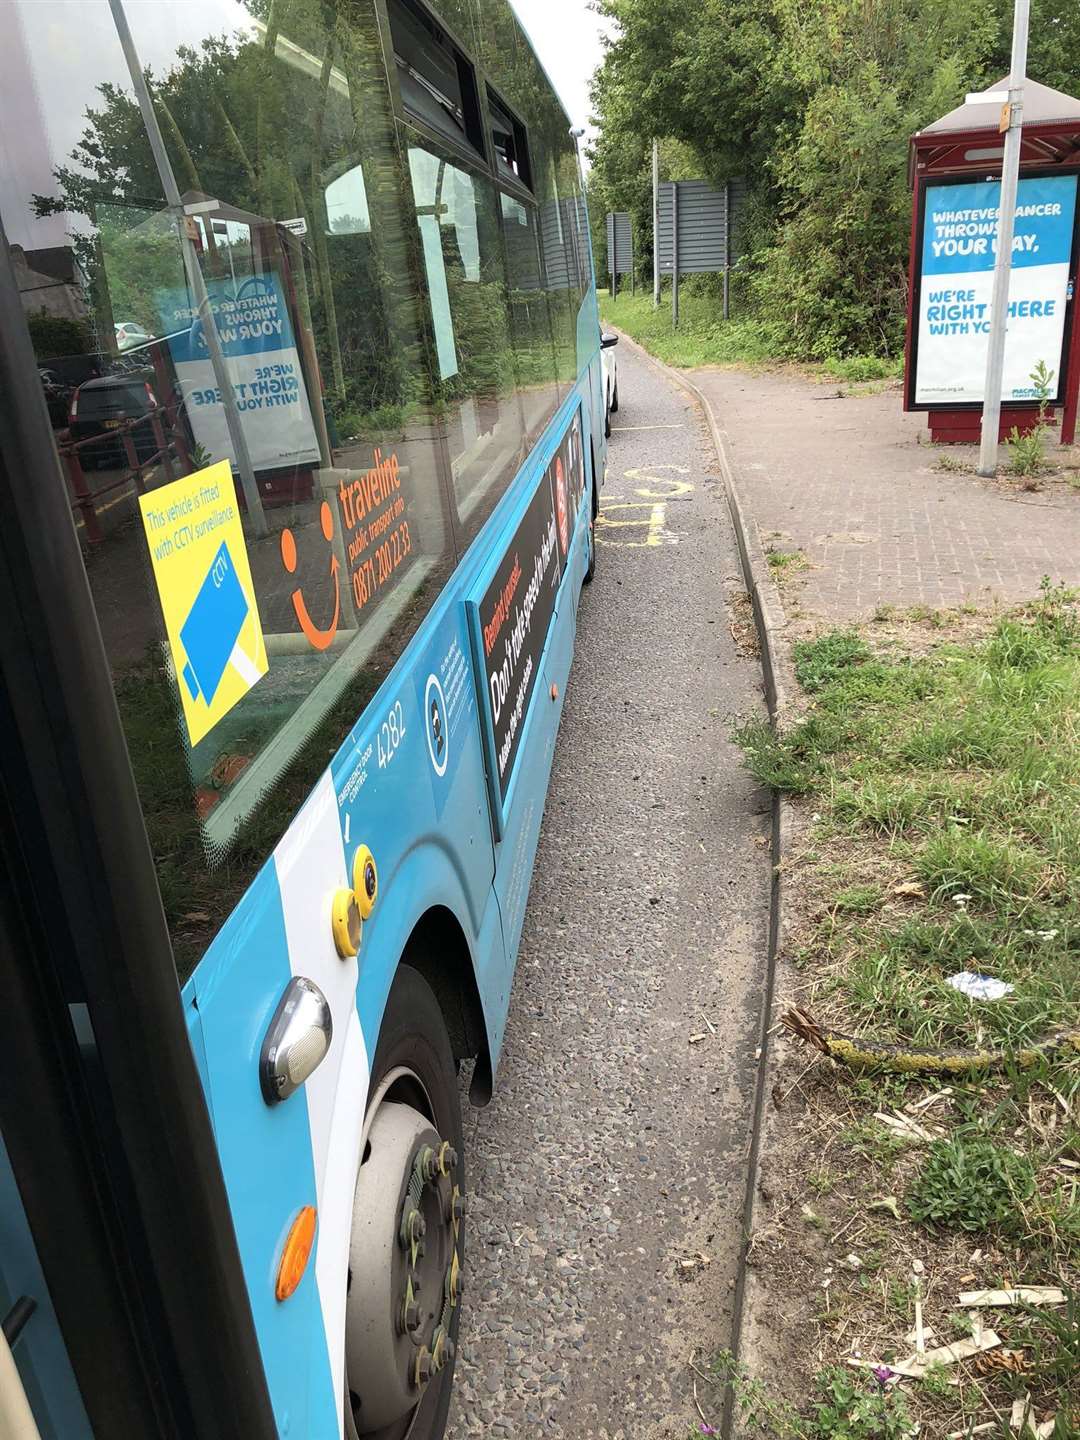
957 277
260 352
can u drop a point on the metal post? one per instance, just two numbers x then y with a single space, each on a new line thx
999 303
727 246
195 280
633 277
674 255
656 223
1071 393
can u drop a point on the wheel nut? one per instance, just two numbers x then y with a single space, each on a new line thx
458 1209
410 1316
412 1227
422 1368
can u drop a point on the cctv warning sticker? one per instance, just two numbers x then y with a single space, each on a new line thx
200 565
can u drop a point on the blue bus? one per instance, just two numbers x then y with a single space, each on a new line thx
301 434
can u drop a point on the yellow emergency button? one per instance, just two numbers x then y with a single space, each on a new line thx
365 879
347 924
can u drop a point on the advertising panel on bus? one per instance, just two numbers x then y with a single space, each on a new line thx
515 611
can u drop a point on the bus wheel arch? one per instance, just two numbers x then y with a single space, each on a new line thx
439 950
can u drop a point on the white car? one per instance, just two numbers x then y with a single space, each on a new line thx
608 341
130 333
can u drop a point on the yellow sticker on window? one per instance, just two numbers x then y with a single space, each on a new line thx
207 596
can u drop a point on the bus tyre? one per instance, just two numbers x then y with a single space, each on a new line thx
403 1303
615 399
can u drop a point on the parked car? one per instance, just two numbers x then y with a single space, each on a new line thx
130 333
58 393
102 408
608 341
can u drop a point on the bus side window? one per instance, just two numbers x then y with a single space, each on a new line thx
533 343
263 505
477 379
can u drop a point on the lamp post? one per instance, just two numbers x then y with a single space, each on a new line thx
999 302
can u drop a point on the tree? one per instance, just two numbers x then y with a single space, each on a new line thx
812 102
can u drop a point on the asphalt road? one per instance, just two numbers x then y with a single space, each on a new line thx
607 1174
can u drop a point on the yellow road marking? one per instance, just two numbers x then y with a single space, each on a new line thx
655 492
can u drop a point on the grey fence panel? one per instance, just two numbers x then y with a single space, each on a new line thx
620 255
707 215
556 243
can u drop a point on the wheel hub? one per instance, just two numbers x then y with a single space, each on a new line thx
404 1267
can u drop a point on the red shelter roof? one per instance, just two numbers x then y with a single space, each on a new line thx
968 138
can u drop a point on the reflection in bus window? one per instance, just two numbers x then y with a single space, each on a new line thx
533 345
296 222
463 263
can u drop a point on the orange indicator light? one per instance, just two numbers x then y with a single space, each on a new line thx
297 1252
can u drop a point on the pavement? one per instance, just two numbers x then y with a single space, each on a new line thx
851 483
607 1175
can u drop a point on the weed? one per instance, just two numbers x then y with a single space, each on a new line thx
949 463
821 1181
775 760
1053 1336
937 1382
1026 451
819 663
852 1408
858 900
871 1141
846 1405
785 563
986 868
970 1184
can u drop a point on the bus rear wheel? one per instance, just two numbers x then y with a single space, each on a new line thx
403 1305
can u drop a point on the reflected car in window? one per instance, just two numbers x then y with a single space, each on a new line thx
130 333
105 408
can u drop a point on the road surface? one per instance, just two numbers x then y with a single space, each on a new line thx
607 1174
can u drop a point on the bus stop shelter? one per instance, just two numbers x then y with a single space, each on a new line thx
955 172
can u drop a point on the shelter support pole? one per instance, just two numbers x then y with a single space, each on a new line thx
999 303
1072 370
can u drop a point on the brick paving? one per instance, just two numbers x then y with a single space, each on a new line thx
848 482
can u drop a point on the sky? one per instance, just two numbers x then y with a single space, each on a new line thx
566 35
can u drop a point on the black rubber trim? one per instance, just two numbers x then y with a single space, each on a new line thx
14 1322
110 1139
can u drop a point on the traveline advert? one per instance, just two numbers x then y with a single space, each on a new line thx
959 248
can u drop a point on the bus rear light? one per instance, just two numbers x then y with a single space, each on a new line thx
295 1253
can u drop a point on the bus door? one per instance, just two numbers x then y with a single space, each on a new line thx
119 1247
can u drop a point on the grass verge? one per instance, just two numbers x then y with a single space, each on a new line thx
704 337
937 795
